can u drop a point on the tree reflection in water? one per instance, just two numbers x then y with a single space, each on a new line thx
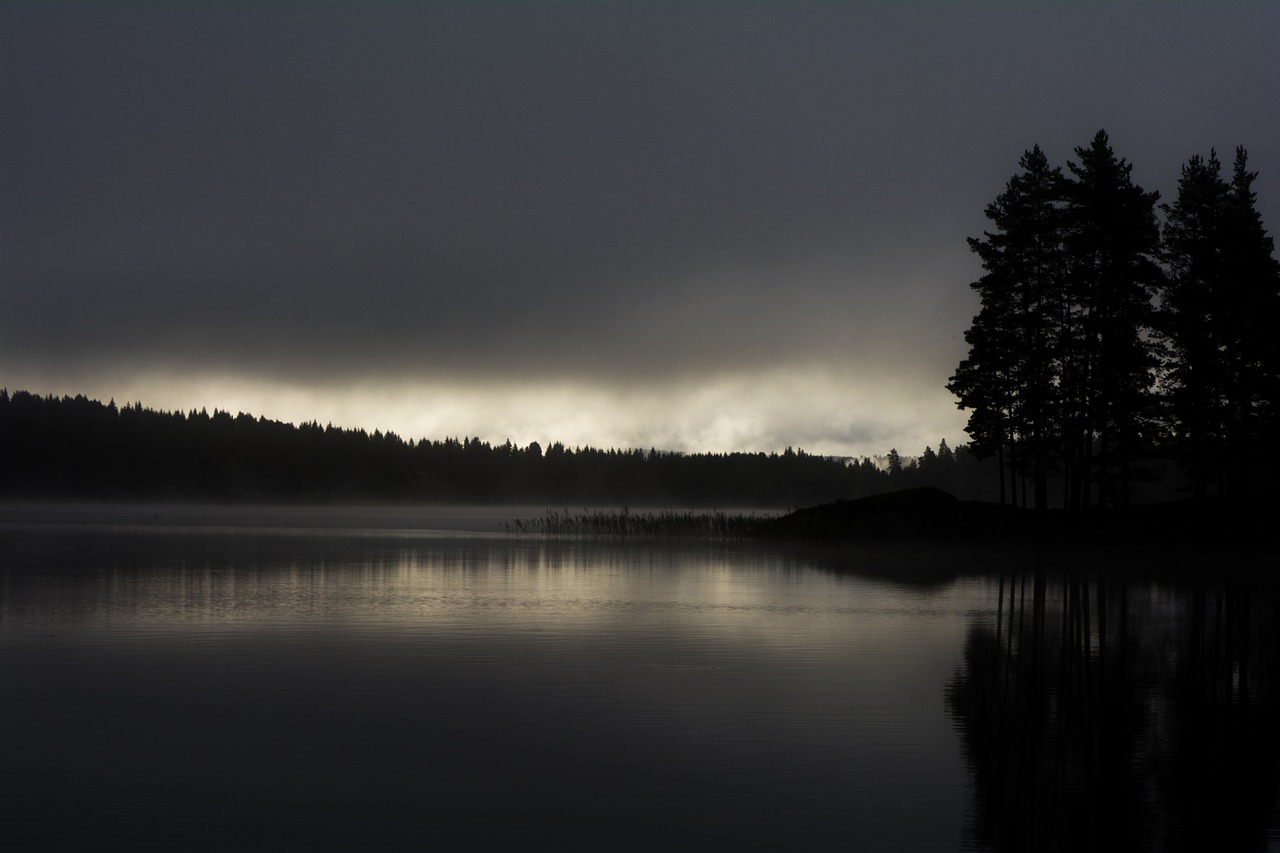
1125 715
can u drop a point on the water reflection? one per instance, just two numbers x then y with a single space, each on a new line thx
1120 714
375 691
335 693
91 579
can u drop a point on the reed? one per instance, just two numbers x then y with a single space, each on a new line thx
662 524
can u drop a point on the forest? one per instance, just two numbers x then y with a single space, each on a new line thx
1112 350
74 448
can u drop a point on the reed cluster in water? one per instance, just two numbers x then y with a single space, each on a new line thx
713 524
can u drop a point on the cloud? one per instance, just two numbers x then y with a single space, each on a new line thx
666 221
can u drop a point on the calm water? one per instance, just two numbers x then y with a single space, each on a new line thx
203 681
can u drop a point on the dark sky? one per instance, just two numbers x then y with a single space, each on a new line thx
706 226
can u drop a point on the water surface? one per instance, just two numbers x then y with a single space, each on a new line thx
388 686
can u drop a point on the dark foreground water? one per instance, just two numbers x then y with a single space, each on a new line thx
199 681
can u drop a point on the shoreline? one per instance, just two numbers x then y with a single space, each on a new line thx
932 515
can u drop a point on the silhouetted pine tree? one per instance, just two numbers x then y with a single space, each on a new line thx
1254 397
1009 379
1191 321
894 465
1218 318
1061 368
1112 246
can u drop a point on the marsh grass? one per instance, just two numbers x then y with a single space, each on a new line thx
663 524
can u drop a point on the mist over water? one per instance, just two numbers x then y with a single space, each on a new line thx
260 686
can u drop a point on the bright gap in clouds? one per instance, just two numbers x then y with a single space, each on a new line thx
811 410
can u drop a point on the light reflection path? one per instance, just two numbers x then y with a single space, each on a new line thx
495 690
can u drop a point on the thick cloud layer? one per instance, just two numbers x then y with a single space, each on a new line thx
705 228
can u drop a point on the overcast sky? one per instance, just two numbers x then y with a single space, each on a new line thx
699 226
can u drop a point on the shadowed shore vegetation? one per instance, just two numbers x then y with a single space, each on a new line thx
714 524
930 515
1180 538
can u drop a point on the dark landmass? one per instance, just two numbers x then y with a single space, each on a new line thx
932 515
76 449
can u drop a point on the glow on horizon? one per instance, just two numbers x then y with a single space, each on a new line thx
814 410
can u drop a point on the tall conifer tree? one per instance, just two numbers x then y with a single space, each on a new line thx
1112 247
1218 320
1193 319
1008 381
1254 407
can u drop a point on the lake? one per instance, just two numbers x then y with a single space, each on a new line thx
342 678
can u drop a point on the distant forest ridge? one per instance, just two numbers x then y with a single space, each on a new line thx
74 448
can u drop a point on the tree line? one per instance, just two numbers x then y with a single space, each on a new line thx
1108 341
74 448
